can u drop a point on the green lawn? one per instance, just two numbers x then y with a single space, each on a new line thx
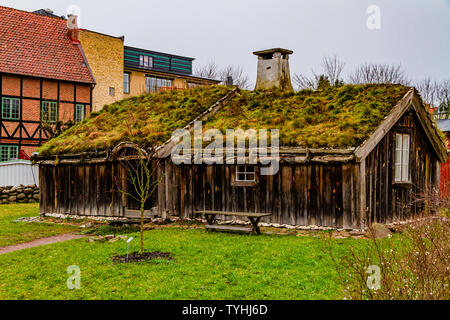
204 266
12 232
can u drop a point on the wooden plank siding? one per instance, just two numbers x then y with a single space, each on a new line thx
387 201
84 190
299 194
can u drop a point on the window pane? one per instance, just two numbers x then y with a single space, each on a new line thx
126 82
405 173
398 141
79 112
15 109
3 153
398 156
5 108
250 177
398 172
405 157
406 142
13 152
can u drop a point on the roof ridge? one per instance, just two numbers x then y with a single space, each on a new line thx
33 13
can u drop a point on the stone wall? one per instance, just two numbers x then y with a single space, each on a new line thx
19 194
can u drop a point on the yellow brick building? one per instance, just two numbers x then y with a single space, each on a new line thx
105 55
122 72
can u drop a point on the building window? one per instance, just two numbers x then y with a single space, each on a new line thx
49 111
157 84
402 148
10 108
8 152
194 85
145 61
126 83
245 174
80 111
112 91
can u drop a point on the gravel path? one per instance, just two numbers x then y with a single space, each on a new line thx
41 242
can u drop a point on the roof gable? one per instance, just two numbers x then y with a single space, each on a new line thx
411 99
38 46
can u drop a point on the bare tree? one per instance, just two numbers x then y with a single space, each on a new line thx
140 166
240 77
379 73
443 99
304 82
332 68
428 90
140 163
209 70
436 95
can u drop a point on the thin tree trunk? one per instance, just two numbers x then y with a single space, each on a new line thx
142 227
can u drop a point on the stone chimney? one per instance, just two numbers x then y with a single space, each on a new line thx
273 69
72 24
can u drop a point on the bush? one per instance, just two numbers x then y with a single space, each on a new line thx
412 266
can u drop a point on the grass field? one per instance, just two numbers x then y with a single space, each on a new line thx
204 266
13 233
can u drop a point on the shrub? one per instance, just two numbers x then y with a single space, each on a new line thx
413 266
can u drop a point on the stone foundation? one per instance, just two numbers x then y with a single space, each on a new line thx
19 194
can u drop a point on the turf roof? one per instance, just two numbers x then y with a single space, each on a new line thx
148 119
337 117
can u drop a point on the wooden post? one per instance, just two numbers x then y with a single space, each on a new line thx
362 193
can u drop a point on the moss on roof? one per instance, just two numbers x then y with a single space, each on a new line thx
335 117
148 119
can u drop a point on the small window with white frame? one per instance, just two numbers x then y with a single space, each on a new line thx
245 174
402 152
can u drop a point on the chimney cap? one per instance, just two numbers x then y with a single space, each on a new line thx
268 51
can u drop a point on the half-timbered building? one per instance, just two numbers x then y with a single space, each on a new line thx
44 78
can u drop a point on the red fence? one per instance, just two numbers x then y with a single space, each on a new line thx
445 178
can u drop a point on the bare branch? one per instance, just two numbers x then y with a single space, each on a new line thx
240 77
379 73
332 68
210 71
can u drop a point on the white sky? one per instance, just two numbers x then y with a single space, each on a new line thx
415 33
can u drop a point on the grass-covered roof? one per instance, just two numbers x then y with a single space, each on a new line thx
149 119
337 117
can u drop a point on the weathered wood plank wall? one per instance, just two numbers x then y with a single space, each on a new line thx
387 201
85 190
300 194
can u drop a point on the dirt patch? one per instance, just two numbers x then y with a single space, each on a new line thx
146 256
41 242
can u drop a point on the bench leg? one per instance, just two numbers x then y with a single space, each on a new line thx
211 219
255 222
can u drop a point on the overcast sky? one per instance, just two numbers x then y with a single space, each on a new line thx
415 33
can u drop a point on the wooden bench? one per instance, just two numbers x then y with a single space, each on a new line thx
254 218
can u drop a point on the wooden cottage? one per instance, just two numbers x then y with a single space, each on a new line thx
348 156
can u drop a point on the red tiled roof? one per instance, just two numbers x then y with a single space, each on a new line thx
38 46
